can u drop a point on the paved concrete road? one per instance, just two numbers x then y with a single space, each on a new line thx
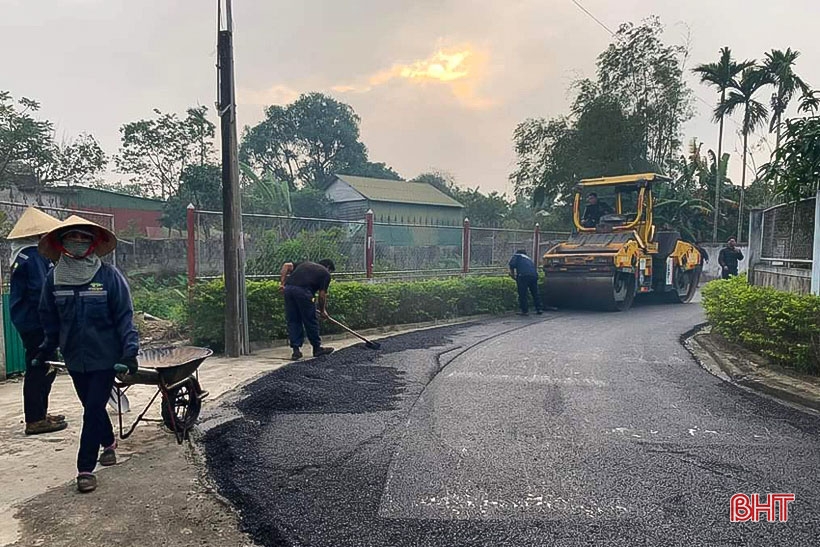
578 429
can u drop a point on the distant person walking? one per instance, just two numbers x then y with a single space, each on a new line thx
525 273
305 291
728 258
28 275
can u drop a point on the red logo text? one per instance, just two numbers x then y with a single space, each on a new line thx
743 508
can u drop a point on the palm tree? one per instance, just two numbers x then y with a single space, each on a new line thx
810 102
780 67
741 95
720 75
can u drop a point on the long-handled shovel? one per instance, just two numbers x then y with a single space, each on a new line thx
368 343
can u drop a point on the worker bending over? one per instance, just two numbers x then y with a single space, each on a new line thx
301 283
525 273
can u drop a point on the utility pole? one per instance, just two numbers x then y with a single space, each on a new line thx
236 343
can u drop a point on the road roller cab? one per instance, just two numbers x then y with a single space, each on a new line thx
612 257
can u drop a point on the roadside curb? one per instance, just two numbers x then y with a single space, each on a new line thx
741 367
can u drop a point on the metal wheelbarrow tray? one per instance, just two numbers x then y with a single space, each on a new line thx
174 371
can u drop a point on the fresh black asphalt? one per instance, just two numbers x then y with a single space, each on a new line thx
574 428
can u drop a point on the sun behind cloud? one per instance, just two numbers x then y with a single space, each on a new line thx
460 69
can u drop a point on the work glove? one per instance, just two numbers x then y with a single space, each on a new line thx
39 360
130 364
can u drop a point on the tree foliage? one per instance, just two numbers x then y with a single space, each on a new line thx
157 150
28 148
646 77
308 141
626 121
200 185
794 169
483 210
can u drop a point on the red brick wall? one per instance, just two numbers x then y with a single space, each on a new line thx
126 219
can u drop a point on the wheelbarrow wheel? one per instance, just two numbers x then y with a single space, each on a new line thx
181 414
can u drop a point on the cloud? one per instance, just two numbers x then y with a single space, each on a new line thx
461 70
277 94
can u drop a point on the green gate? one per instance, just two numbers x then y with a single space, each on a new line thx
15 353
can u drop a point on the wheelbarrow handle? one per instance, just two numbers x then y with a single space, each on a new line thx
56 364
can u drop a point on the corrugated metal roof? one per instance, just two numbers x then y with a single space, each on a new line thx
399 191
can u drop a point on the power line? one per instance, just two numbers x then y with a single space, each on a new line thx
582 8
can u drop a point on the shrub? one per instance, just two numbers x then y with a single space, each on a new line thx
359 305
165 298
780 325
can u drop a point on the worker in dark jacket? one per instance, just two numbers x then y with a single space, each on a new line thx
28 274
86 310
305 291
728 258
594 210
525 273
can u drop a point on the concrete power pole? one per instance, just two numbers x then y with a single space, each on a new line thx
236 343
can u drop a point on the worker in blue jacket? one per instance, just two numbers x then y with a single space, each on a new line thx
525 273
86 310
28 274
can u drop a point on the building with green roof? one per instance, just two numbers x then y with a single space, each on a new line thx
392 201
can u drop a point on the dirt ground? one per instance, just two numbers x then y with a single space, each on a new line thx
158 498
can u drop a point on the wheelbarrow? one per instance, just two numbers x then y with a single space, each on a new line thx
174 371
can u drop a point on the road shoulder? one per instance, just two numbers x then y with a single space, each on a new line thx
742 367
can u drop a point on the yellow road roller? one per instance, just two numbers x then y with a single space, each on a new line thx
615 252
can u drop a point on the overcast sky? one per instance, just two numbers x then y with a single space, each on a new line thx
438 84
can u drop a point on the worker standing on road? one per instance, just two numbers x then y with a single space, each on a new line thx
525 273
728 258
28 274
86 309
302 284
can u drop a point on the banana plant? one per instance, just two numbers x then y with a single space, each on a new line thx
265 193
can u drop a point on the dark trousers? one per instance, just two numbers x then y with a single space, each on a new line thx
36 382
300 314
93 389
528 284
729 272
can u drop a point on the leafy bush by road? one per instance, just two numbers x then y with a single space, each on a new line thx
359 305
780 325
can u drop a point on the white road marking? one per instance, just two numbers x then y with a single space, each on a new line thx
529 379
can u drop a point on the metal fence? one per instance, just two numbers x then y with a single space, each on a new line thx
11 212
788 233
397 251
271 240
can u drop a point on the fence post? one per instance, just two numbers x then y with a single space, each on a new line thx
369 245
191 218
536 243
755 242
815 257
465 246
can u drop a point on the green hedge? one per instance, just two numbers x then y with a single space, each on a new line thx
359 305
781 325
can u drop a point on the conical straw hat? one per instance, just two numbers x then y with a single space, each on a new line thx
33 222
50 243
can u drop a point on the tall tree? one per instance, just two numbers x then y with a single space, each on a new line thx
28 149
780 67
742 96
646 76
721 75
157 151
305 142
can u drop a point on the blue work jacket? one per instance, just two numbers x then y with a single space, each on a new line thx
93 324
523 265
28 274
